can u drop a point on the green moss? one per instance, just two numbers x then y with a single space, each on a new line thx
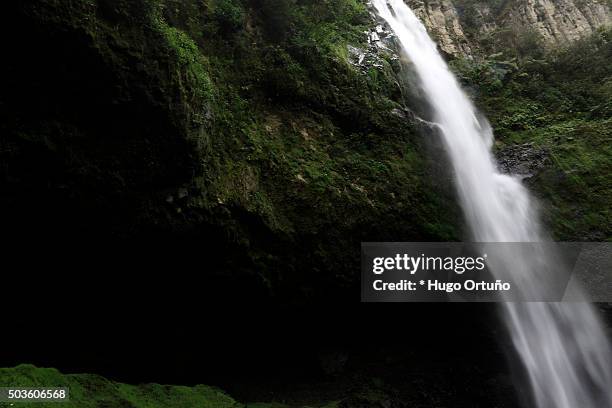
190 60
229 15
334 404
93 391
88 390
575 186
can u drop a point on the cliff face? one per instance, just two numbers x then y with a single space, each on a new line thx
442 19
267 128
522 62
241 123
559 21
460 26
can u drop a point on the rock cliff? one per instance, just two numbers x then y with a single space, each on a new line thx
442 19
460 26
558 21
240 124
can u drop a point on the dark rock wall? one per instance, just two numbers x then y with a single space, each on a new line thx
239 124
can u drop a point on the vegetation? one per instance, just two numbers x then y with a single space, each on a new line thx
246 125
240 119
87 390
248 120
560 104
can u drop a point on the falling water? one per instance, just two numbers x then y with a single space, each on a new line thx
562 346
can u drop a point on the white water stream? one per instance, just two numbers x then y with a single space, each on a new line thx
562 346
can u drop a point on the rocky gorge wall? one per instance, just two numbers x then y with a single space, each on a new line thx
460 26
267 129
442 19
558 21
524 64
238 124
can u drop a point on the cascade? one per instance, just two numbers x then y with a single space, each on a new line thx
562 346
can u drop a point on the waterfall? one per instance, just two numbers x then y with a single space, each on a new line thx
562 346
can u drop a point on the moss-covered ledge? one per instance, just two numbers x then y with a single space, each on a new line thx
90 390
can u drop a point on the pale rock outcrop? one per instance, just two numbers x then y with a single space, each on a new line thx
559 21
442 20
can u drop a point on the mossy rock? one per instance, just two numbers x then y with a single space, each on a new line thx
232 122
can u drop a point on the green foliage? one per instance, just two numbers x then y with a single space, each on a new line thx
279 135
560 103
490 74
306 140
189 58
519 42
575 188
228 14
521 116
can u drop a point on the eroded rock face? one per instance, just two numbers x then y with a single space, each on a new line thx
442 20
556 21
559 21
522 160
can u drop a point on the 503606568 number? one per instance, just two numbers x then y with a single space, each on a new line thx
25 394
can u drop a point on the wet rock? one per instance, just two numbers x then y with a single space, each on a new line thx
409 115
399 113
524 160
381 46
